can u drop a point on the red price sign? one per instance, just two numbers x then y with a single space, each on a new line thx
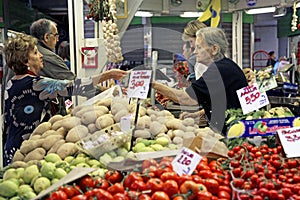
251 98
186 162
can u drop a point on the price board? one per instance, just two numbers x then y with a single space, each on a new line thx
138 85
290 141
186 162
251 98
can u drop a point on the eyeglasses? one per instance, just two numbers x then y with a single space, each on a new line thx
54 34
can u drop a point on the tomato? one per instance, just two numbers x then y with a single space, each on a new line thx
58 195
138 185
211 185
154 184
224 195
147 163
204 195
79 197
273 195
160 195
276 163
70 190
225 188
263 192
144 197
292 163
169 176
202 166
287 192
248 173
147 175
235 163
236 149
257 197
101 183
205 174
244 197
113 176
231 154
215 167
160 170
101 194
130 178
184 177
120 196
280 197
133 194
86 183
178 198
190 188
170 187
116 188
238 182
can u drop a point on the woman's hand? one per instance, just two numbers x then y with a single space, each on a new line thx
116 74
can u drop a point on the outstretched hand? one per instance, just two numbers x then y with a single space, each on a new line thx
116 74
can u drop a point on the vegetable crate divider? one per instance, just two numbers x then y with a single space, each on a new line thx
92 146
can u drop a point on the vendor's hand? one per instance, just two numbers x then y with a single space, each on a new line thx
191 115
116 74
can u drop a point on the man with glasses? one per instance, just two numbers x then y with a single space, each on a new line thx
46 32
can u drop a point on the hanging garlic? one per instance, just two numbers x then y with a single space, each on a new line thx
295 18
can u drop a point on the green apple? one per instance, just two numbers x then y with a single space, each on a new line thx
24 189
69 159
10 173
59 173
41 184
52 157
162 141
138 146
78 160
29 195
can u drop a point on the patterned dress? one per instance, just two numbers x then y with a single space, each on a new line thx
27 105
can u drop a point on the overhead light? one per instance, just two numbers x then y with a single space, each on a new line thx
260 10
298 5
280 12
143 14
191 14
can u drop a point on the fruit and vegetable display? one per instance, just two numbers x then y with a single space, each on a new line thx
91 137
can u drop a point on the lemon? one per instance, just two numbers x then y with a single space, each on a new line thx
296 122
236 130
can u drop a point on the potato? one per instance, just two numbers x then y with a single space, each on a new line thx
77 109
67 149
142 134
91 116
150 112
67 123
174 123
156 127
120 114
104 109
115 108
178 133
188 135
165 113
18 156
177 140
41 128
77 133
188 122
49 132
132 109
104 102
54 148
104 121
36 154
50 141
140 123
29 145
92 128
55 118
62 131
190 129
147 121
19 164
35 137
170 134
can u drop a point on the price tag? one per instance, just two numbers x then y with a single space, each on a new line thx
290 141
186 162
125 123
138 85
68 103
251 98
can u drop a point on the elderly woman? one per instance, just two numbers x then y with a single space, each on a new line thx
27 95
216 89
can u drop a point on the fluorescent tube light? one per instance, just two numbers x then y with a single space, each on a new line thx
143 14
191 14
260 10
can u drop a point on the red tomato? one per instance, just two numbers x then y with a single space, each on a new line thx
100 194
130 178
231 154
273 194
79 197
113 176
144 197
287 192
292 163
225 188
120 196
101 183
70 191
154 184
169 176
58 195
178 198
160 170
238 182
205 174
147 163
184 177
116 188
212 185
191 189
138 186
204 195
257 197
160 195
170 187
224 195
86 183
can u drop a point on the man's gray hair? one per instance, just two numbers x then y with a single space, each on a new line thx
214 36
40 27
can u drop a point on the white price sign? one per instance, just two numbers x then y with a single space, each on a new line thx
138 85
251 98
290 141
186 162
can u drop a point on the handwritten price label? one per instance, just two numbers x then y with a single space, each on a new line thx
186 162
290 141
251 98
138 85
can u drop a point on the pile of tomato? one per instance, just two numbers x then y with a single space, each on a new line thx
156 181
260 172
